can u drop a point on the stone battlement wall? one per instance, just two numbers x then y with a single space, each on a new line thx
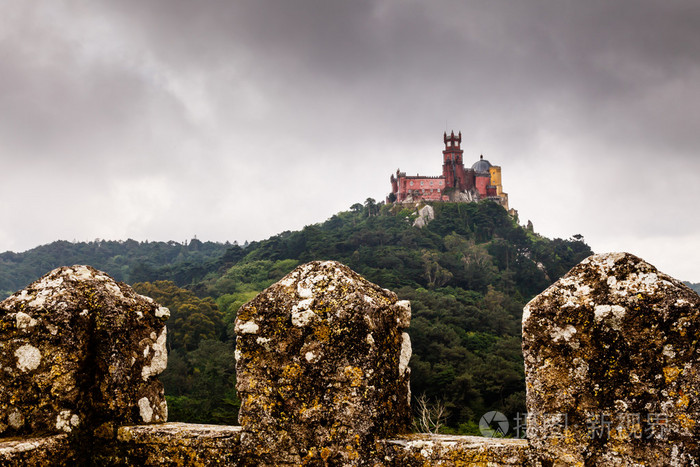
193 444
323 377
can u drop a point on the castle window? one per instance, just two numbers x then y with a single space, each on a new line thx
421 183
411 182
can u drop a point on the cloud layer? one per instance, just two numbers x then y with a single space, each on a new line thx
237 120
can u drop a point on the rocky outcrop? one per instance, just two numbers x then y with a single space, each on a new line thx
425 215
612 365
322 368
466 196
80 352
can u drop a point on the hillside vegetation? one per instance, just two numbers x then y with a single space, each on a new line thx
127 261
468 274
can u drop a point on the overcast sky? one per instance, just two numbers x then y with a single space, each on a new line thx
239 119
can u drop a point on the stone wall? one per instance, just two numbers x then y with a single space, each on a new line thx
322 364
183 444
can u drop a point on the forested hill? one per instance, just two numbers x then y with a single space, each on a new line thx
468 245
468 274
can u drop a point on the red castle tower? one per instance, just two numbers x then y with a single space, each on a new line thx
452 165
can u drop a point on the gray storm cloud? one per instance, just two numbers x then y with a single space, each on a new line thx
238 120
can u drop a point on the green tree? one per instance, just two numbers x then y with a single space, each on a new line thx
192 319
370 206
201 386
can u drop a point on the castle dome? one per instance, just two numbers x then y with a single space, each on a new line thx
481 166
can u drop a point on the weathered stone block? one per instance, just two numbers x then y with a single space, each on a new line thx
612 364
80 351
424 449
173 444
322 367
54 451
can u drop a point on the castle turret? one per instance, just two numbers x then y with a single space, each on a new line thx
452 164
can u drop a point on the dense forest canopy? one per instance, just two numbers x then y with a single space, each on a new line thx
127 261
468 274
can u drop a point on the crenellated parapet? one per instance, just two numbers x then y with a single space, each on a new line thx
611 358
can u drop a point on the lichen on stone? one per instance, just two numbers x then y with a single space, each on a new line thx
67 421
159 361
28 358
612 366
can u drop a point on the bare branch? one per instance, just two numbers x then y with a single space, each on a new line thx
429 417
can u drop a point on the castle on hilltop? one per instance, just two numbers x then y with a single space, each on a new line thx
457 183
